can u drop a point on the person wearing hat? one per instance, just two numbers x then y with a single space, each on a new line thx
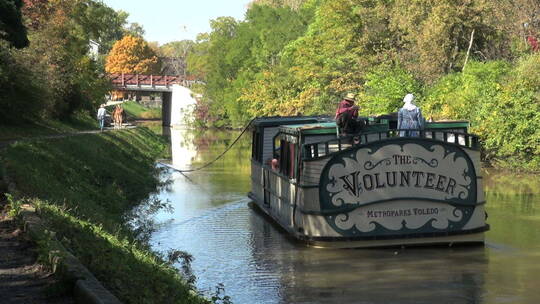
410 118
347 116
101 116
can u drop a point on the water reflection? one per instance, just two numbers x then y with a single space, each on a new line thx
183 149
234 244
310 275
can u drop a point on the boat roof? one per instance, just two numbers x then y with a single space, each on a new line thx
443 124
285 120
320 125
310 128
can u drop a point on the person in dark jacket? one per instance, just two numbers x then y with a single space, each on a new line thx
347 116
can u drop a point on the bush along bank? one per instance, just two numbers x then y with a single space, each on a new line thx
503 105
83 186
135 110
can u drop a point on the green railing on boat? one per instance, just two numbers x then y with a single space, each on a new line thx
323 149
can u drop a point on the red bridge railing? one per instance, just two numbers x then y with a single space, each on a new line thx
124 80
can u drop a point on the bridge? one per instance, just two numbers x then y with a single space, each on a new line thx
177 97
161 83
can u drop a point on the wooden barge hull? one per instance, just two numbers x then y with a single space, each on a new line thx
470 238
473 236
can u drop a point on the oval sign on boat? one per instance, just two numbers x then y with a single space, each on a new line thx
398 186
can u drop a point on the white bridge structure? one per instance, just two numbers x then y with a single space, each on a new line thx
178 99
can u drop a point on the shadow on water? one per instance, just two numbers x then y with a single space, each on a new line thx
235 245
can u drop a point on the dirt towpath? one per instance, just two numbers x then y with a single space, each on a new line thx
22 279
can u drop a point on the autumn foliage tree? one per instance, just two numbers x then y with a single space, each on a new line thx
36 11
55 76
132 55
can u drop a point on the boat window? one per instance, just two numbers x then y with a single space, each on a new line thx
292 161
277 147
256 147
283 156
287 162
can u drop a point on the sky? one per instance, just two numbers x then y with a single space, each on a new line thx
172 20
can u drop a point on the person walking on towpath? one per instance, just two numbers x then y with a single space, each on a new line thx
118 115
410 118
101 116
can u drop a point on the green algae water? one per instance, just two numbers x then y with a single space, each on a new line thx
236 245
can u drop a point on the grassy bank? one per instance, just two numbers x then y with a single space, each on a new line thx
137 111
83 186
48 127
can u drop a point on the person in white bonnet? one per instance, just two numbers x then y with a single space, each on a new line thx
410 118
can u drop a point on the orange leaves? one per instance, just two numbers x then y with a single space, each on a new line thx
35 11
132 55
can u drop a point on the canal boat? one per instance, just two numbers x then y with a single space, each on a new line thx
371 189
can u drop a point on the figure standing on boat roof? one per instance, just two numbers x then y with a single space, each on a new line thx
347 116
410 118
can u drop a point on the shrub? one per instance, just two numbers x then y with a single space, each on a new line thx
20 93
514 120
385 87
462 95
502 104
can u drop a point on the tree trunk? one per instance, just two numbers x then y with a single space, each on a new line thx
468 51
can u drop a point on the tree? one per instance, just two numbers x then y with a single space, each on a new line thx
135 29
132 55
434 35
175 56
35 11
54 76
220 68
236 56
11 26
344 40
59 58
385 87
93 20
294 4
100 23
197 63
20 91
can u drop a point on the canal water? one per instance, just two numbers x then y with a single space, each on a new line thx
236 245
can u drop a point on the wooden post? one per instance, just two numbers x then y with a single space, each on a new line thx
137 79
123 81
152 80
326 148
